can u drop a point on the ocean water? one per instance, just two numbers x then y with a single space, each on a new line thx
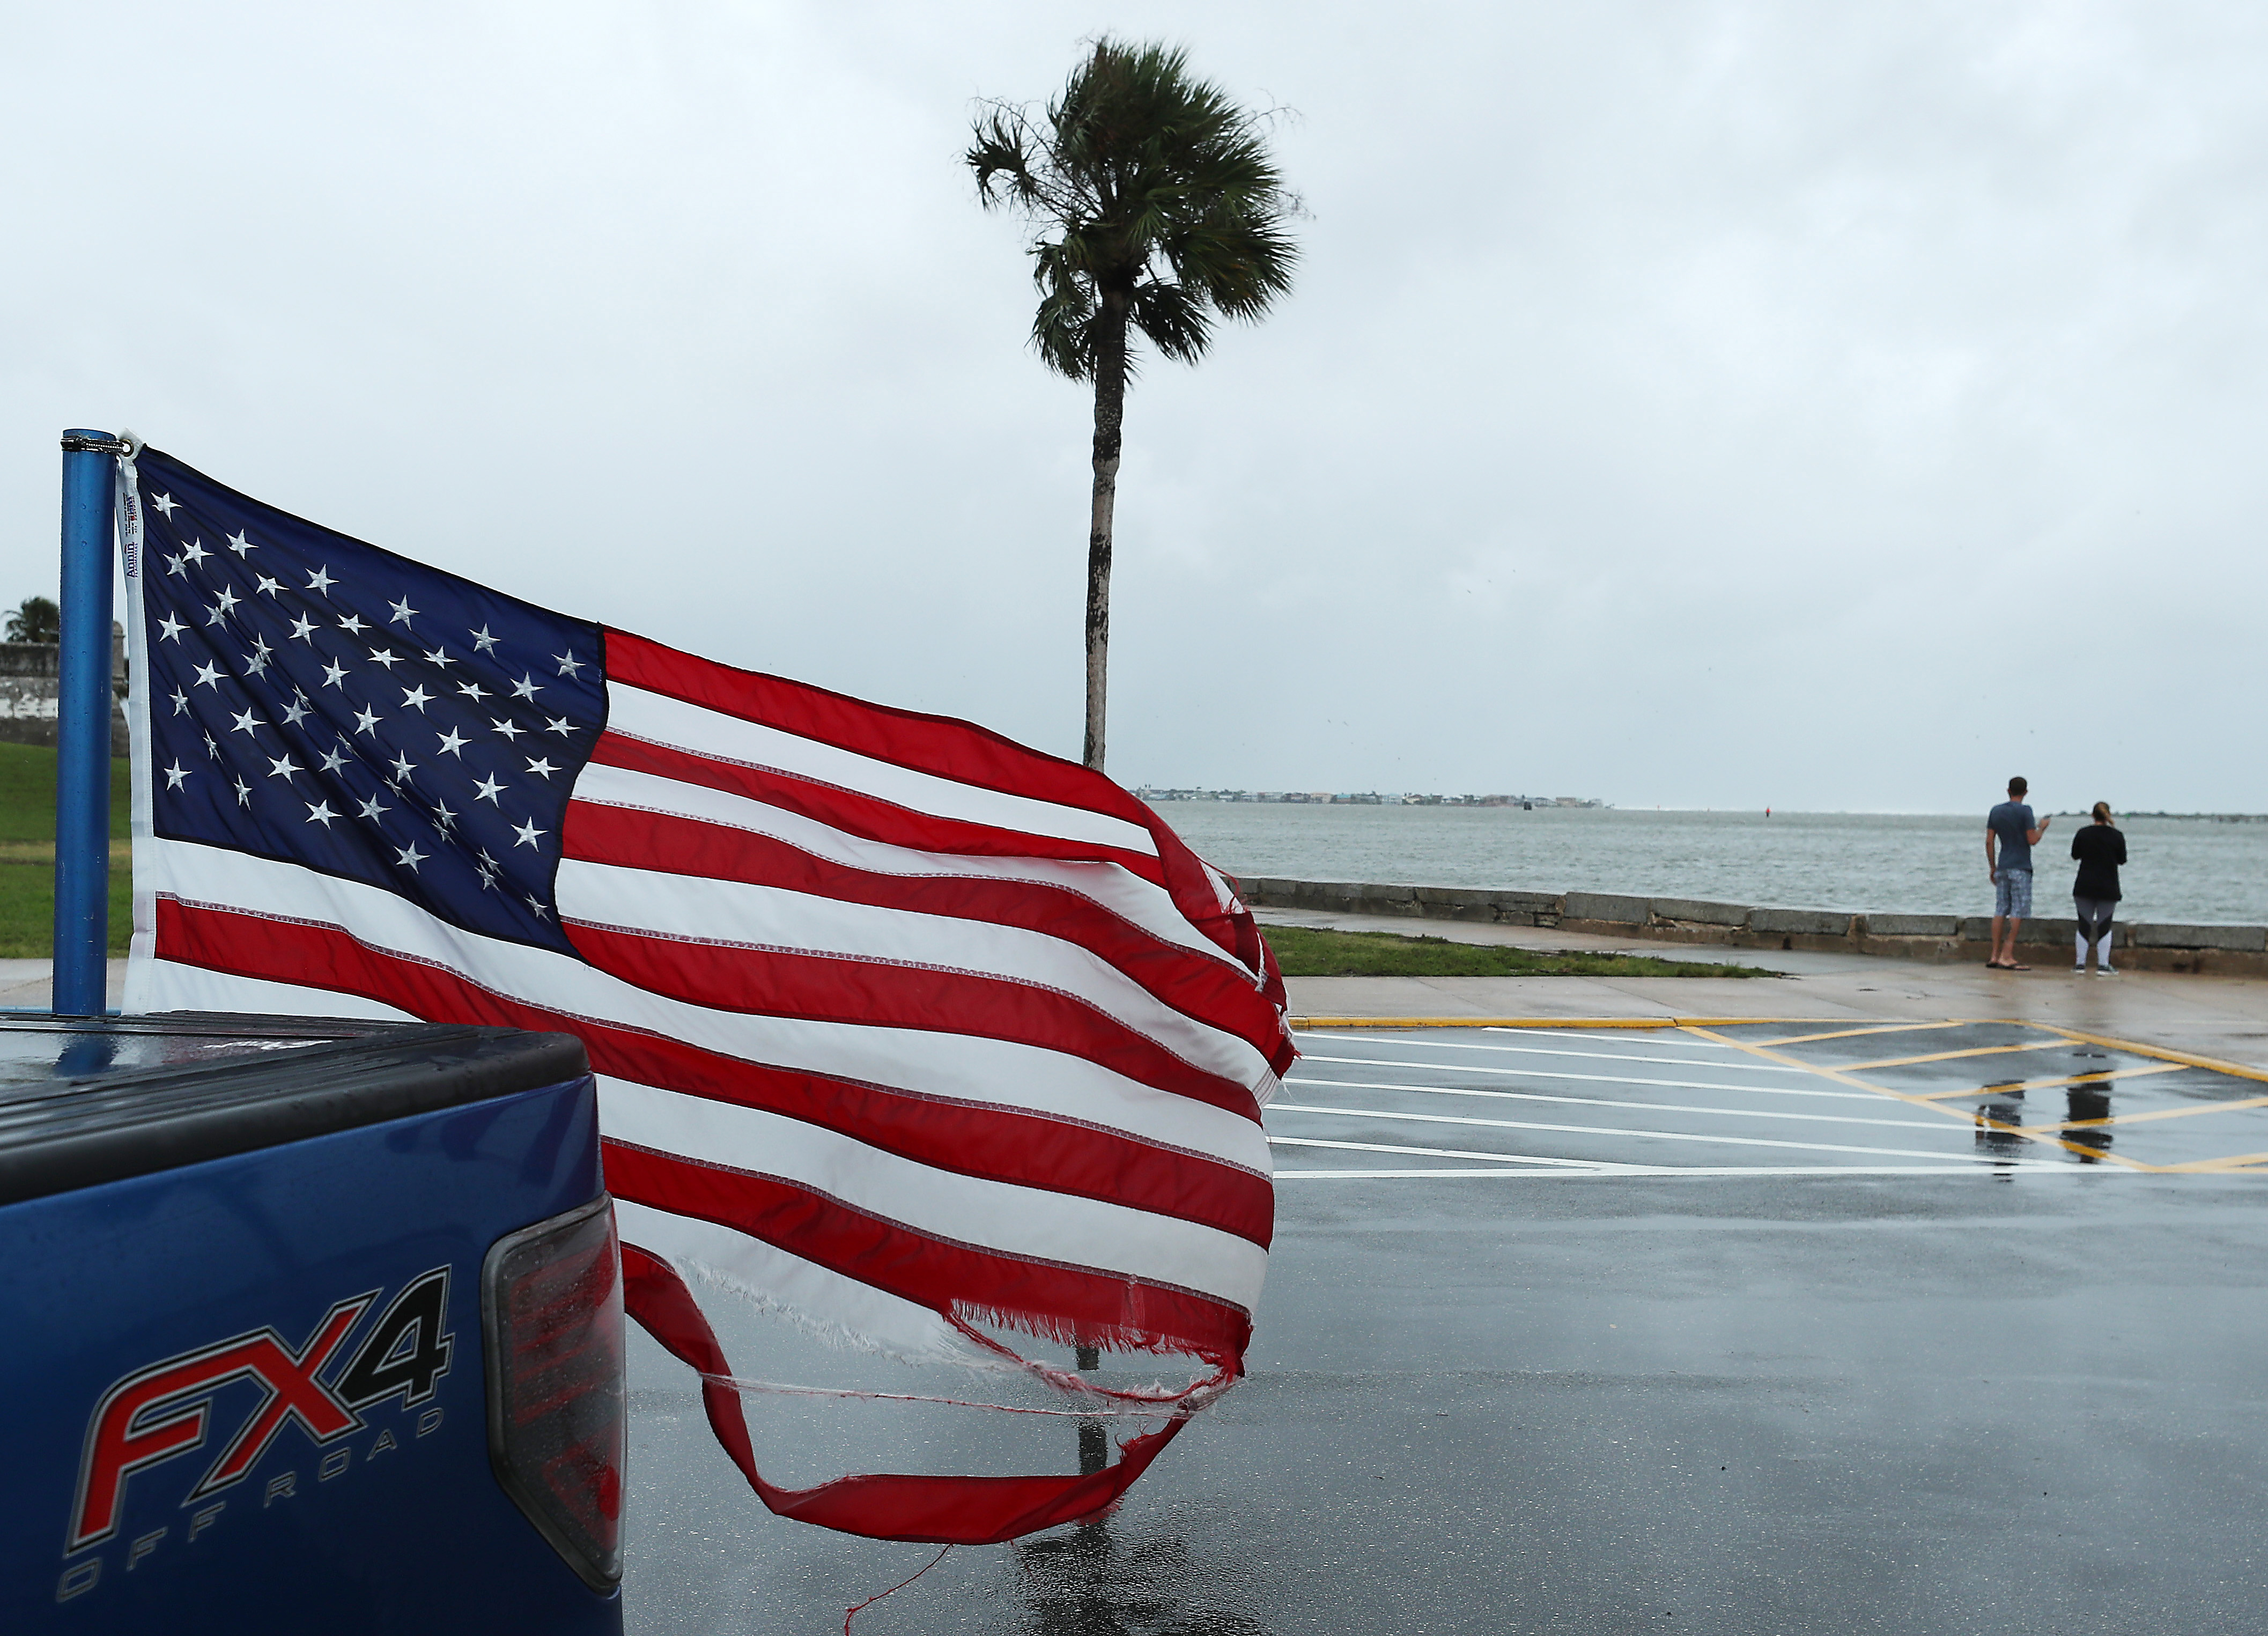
2180 869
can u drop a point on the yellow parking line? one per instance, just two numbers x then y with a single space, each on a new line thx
2205 1167
2160 1113
1846 1034
2098 1076
2185 1059
1975 1050
1843 1076
1549 1022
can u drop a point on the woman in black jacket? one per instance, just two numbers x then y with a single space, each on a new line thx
2100 849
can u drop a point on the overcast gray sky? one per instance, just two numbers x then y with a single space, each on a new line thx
1701 404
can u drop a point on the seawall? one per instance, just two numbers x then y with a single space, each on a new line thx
2220 950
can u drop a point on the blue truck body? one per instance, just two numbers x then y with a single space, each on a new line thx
241 1280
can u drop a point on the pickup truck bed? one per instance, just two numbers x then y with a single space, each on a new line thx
309 1325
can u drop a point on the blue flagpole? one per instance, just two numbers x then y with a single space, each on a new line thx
82 729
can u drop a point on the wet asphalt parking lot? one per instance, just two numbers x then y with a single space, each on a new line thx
1762 1329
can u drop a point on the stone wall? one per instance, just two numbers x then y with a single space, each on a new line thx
27 691
2229 951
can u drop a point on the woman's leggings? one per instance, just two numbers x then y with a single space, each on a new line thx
2095 927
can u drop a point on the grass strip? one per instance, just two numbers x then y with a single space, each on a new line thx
1310 951
27 854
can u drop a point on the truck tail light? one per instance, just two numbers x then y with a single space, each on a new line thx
551 1312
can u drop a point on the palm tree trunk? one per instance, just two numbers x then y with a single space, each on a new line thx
1110 416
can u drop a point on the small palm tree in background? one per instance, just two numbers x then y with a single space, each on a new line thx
38 620
1155 206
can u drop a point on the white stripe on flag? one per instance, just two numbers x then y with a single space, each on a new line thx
690 909
842 1308
1141 902
959 1067
716 736
1060 1229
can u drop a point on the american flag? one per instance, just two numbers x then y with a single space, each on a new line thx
898 1024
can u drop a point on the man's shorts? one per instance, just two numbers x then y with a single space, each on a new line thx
2012 895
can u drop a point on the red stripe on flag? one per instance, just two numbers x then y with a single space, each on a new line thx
945 748
888 994
1197 985
1061 1302
933 1510
854 812
989 1144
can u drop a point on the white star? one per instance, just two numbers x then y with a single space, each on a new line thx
385 656
402 612
333 761
351 624
165 503
227 600
238 544
170 628
212 750
487 862
181 702
320 579
569 665
482 640
440 657
559 724
402 766
283 767
303 629
415 698
333 674
319 812
176 775
510 728
472 689
257 661
195 551
366 721
243 793
542 913
488 790
266 586
541 769
488 882
176 566
371 809
214 616
245 721
208 676
410 857
453 743
524 835
295 712
444 817
525 688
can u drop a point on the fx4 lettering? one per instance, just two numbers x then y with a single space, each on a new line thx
162 1411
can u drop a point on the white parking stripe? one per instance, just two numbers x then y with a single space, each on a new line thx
1602 1101
1530 1051
1691 1136
1596 1079
1452 1153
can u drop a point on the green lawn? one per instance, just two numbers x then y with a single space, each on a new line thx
27 854
1304 952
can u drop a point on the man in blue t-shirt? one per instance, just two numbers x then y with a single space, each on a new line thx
2010 834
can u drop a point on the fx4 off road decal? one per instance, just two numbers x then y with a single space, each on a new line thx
162 1412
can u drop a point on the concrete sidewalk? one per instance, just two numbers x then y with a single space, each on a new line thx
28 985
2225 1018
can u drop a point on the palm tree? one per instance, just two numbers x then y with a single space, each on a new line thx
1154 203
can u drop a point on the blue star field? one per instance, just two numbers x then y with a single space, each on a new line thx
321 701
